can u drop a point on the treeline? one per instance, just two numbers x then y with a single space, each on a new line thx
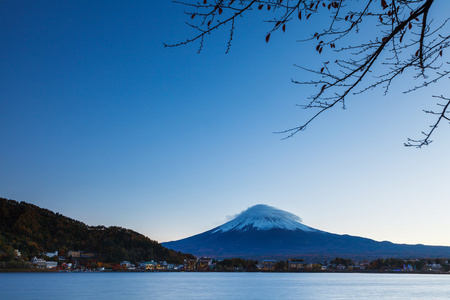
380 264
416 264
437 265
34 230
236 264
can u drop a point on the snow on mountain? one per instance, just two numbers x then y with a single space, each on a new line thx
264 217
262 232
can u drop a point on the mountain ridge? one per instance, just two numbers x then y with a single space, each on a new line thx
34 230
244 237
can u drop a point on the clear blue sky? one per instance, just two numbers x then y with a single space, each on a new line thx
103 124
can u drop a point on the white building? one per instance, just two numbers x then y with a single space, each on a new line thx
51 254
39 262
126 263
51 264
148 265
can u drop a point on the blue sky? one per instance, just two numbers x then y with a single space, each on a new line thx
103 124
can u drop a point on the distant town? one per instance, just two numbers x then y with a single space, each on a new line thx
33 239
81 261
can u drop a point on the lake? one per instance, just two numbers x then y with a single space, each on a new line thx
222 286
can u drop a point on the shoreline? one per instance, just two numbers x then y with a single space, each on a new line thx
259 271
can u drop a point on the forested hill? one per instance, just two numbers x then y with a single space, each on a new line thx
33 230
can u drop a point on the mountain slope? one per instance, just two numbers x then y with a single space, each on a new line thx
34 230
266 232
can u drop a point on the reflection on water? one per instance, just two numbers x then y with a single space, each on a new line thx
222 286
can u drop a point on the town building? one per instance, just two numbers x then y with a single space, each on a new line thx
266 265
39 262
148 265
190 264
51 264
50 254
204 263
296 265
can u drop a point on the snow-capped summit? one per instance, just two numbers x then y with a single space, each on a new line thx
263 231
264 217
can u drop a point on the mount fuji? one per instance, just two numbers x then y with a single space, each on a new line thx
263 231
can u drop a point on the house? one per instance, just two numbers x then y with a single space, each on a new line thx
190 264
162 265
39 262
125 263
408 268
73 254
434 267
148 265
81 254
50 254
86 254
204 263
364 265
296 265
67 266
51 264
171 267
128 265
266 265
17 253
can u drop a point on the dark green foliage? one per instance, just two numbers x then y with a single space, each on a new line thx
377 264
280 265
396 264
297 260
34 230
341 261
236 264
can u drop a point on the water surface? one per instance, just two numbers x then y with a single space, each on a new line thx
222 286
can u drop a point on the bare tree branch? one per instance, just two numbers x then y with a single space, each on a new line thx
443 114
401 30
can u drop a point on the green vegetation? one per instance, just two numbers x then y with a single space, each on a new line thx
34 230
236 264
341 261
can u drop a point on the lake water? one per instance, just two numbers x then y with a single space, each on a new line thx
222 286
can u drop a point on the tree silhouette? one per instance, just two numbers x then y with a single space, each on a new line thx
34 230
400 35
